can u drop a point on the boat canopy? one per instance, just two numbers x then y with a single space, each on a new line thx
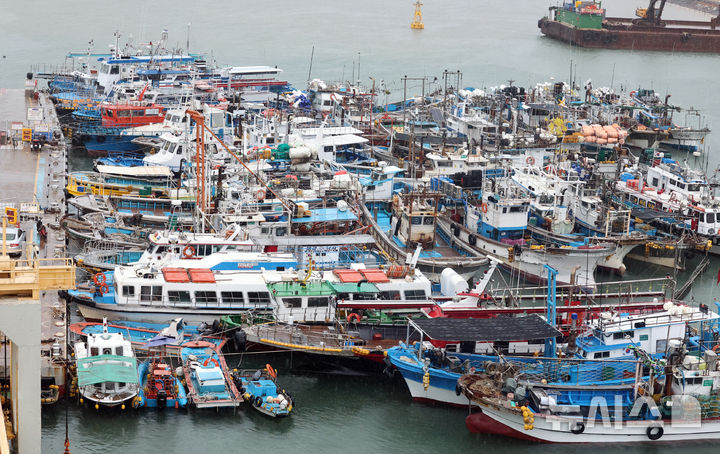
137 171
326 215
107 368
531 327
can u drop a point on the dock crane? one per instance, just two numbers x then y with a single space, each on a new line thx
650 15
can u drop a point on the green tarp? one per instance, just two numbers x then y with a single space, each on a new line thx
106 368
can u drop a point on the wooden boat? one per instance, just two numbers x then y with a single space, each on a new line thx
207 377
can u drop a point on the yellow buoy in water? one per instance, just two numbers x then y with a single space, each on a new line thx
417 22
97 407
122 407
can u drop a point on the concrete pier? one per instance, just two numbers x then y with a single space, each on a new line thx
31 317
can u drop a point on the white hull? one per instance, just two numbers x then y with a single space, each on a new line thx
557 430
435 394
531 263
151 315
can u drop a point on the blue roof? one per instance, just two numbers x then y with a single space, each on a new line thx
325 215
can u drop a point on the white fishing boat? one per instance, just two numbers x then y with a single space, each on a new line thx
106 369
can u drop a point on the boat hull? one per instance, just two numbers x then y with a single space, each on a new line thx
622 34
557 430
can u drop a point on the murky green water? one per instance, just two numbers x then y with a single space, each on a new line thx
491 41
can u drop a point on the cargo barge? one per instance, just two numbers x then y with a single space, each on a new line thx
583 23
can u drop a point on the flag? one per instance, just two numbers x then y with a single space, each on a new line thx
718 279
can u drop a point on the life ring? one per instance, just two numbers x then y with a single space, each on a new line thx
530 160
472 240
159 385
260 195
207 361
103 288
99 278
353 318
655 432
484 207
715 348
578 428
258 401
271 372
137 400
485 297
188 252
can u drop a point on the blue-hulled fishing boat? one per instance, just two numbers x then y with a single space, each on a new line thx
261 391
159 386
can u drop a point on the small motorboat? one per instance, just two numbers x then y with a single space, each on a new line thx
106 369
159 386
206 376
261 390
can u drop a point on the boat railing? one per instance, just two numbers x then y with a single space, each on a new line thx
302 336
621 290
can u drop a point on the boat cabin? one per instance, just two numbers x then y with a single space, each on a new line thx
128 116
612 334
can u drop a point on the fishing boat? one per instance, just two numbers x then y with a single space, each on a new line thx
159 386
207 377
106 369
648 401
409 232
140 334
449 348
260 389
495 225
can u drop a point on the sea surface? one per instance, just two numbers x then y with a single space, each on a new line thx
490 41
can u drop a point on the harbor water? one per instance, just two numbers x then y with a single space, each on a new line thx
490 41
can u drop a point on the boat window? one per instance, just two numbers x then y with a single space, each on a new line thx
601 355
179 296
109 386
123 113
317 301
258 298
281 231
107 351
623 335
205 297
203 250
710 218
292 302
233 297
151 293
654 181
428 220
119 350
693 187
661 345
114 69
415 294
516 209
390 295
93 351
364 296
681 185
417 220
9 236
128 290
